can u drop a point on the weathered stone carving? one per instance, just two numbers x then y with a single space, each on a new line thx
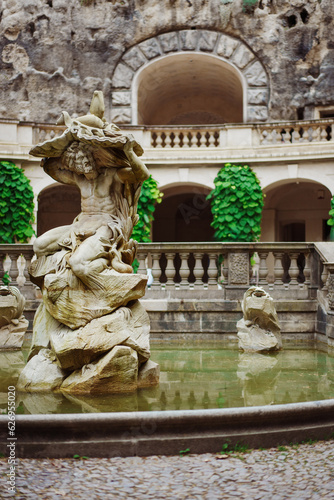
257 113
169 42
13 324
207 40
226 46
121 98
259 330
90 294
242 56
238 268
150 48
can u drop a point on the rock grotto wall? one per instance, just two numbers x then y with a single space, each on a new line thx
55 53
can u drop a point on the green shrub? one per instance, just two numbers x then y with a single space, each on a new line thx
150 195
236 204
16 204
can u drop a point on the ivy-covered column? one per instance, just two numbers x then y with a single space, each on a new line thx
236 204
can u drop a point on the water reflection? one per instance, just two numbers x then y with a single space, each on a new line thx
195 378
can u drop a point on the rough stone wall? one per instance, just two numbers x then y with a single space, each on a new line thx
54 53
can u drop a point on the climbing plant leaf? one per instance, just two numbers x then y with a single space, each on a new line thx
236 204
16 205
150 195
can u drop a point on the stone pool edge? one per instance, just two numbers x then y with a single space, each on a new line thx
167 433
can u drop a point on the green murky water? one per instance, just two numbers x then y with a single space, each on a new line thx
195 377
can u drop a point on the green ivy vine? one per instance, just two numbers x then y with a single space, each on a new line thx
330 221
236 204
16 204
150 195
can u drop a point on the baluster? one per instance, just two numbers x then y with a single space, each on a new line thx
168 140
277 136
278 268
158 140
294 270
306 135
170 269
193 140
263 269
29 287
264 137
186 140
295 136
21 264
141 257
307 270
156 270
184 270
323 134
14 271
324 277
202 140
289 136
315 134
211 139
177 139
198 269
212 271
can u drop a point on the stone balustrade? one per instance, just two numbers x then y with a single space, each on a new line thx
16 138
296 132
185 137
229 266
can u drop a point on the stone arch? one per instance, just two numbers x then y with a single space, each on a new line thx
296 205
230 51
184 214
58 205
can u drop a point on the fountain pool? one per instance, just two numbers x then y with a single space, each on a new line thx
208 395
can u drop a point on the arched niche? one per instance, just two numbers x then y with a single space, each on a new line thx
183 215
296 210
189 89
58 205
157 73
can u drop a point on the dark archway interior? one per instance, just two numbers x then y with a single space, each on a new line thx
57 206
183 217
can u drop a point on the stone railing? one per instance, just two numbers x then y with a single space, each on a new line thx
185 137
16 138
231 267
182 137
296 132
296 268
15 260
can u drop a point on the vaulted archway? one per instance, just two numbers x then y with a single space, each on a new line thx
296 211
218 71
189 89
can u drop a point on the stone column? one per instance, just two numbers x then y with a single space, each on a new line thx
170 269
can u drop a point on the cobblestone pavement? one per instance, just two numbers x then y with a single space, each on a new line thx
299 472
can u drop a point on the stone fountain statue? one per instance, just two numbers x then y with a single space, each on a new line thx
13 324
91 334
259 330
